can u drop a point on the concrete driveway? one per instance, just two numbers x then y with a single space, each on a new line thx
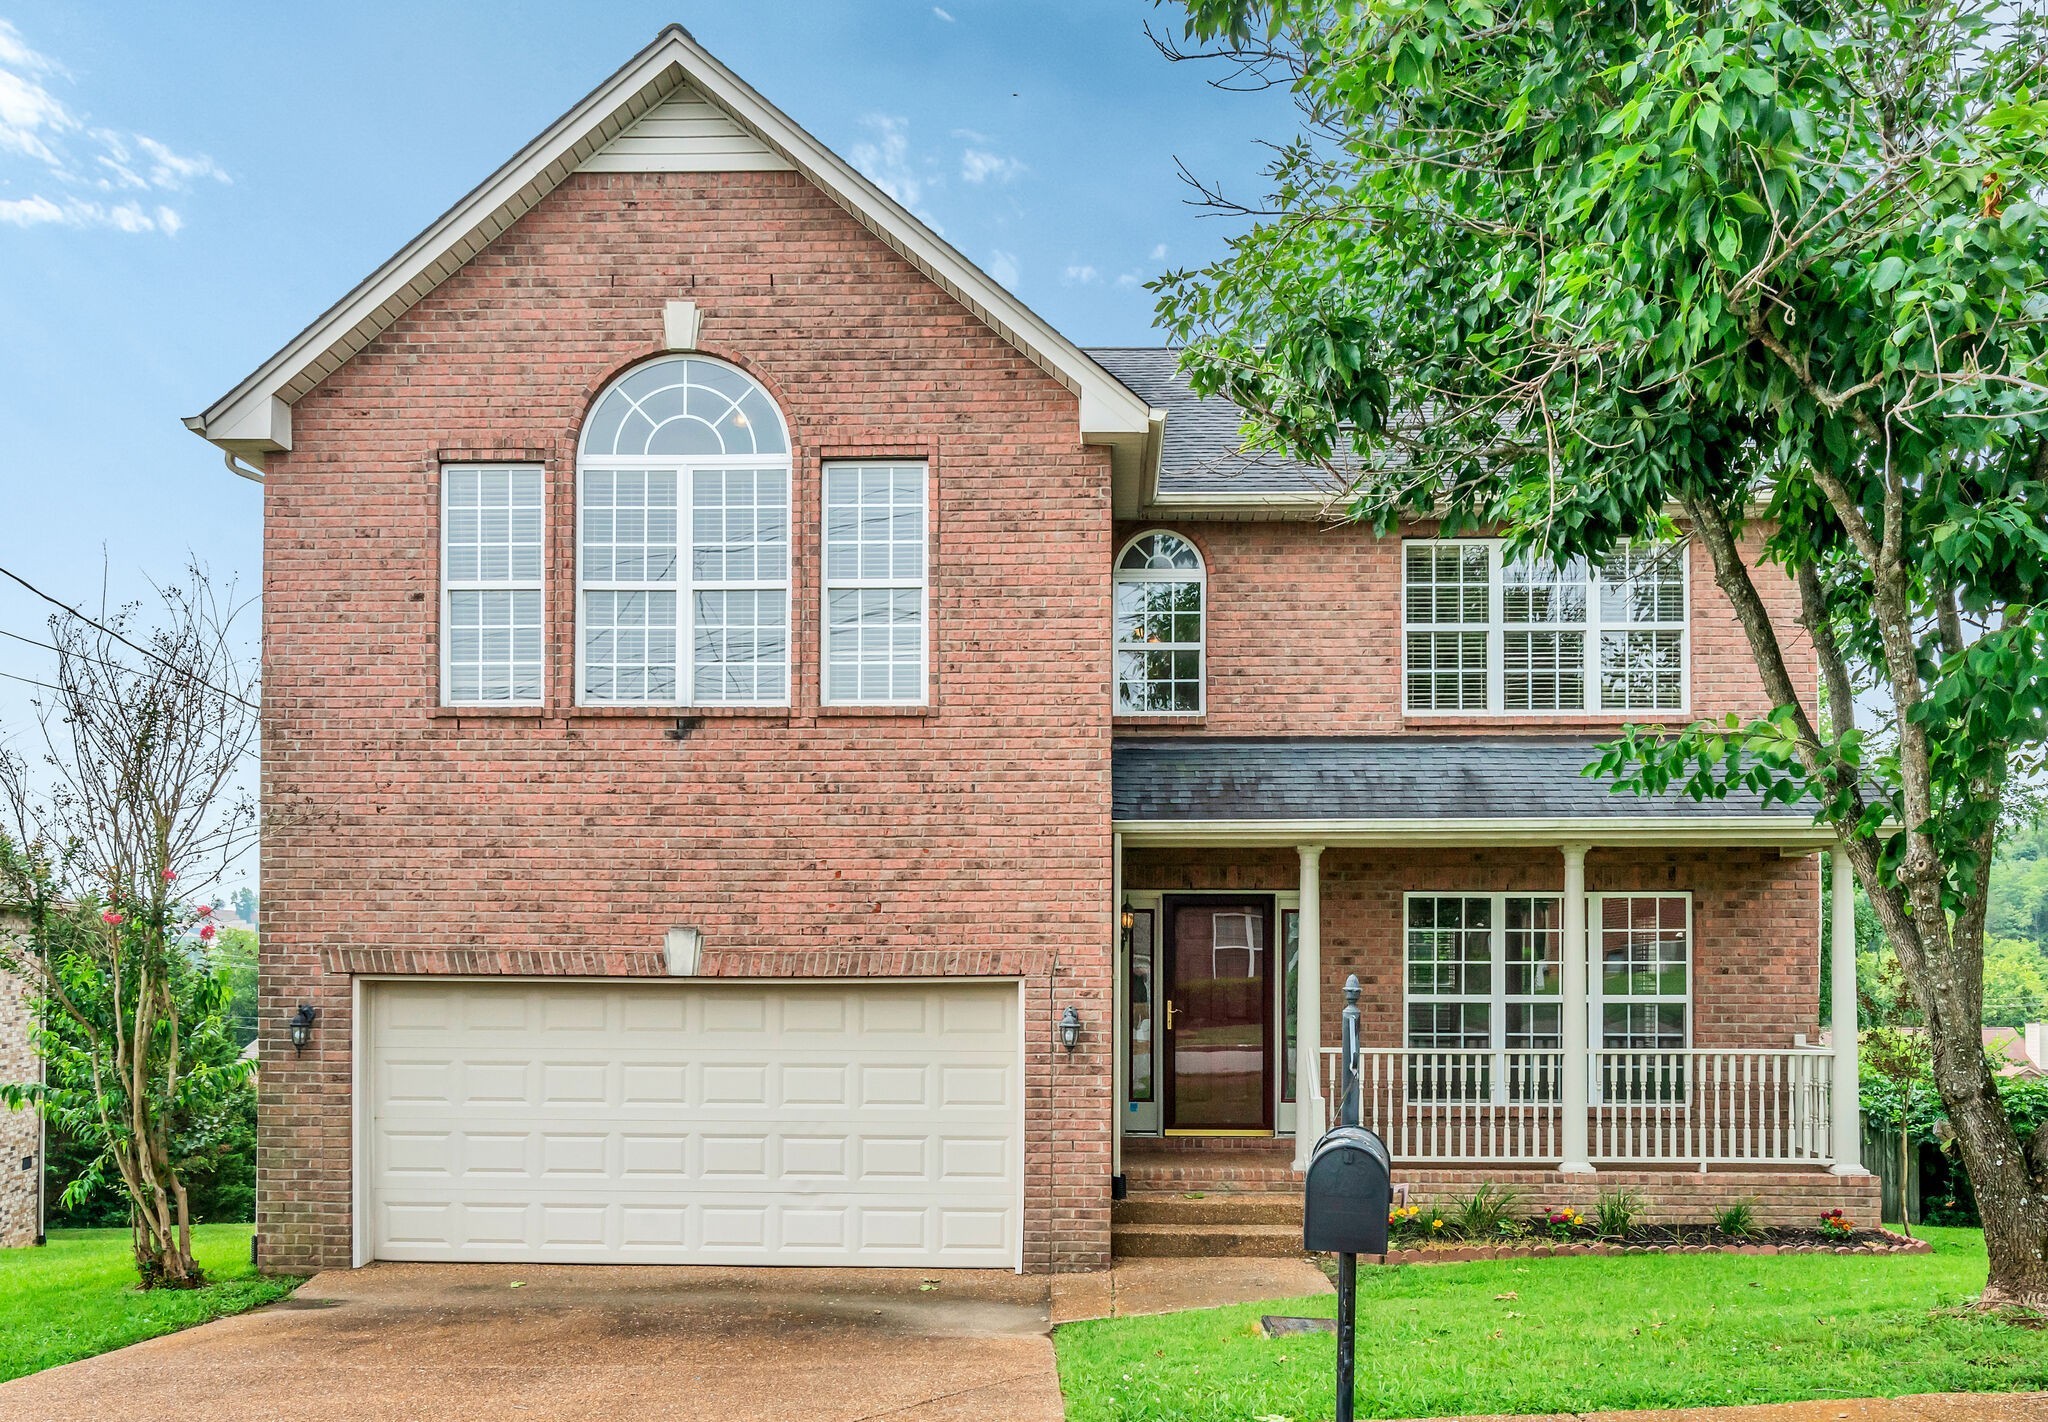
419 1342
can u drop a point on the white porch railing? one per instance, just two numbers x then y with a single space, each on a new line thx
1698 1106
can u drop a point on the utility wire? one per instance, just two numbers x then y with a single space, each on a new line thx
15 577
223 741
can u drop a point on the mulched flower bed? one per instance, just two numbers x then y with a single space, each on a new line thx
1660 1239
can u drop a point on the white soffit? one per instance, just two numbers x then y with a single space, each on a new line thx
254 418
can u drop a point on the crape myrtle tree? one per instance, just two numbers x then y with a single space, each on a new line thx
136 801
1770 275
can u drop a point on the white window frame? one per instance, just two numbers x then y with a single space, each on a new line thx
827 585
1119 574
451 586
1597 999
1498 997
1497 627
685 586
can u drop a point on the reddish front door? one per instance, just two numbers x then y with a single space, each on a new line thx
1219 1014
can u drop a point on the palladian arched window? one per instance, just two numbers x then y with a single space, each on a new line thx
1161 621
683 540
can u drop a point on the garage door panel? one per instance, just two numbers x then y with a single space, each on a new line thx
671 1123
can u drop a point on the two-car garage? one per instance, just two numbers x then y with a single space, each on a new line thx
691 1122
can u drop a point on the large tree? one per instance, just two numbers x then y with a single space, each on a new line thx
1773 274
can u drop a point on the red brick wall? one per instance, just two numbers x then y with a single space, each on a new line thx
1756 921
1304 638
972 838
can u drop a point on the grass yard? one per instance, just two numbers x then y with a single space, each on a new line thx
1569 1335
76 1295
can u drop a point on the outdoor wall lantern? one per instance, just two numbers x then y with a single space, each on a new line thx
1130 921
302 1026
1070 1029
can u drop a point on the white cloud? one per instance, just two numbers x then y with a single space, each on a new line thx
1159 253
942 14
886 159
1003 267
980 165
1080 274
42 132
1129 281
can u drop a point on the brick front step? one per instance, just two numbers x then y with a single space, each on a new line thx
1212 1241
1228 1208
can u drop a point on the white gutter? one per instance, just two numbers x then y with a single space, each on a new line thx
1618 830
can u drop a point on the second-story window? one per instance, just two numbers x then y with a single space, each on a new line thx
491 585
1482 633
1161 627
874 584
683 540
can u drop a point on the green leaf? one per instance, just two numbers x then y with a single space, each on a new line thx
1890 272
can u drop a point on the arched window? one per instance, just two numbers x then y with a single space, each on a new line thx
683 540
1161 616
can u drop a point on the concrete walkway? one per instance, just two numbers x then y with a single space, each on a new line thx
1140 1286
429 1343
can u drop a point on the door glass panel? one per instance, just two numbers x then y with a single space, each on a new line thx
1220 964
1290 1000
1141 1045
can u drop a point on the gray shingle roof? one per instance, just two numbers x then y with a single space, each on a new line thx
1204 437
1391 778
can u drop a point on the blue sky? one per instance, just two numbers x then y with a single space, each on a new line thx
182 189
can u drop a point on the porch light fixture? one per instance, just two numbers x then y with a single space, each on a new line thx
302 1026
1070 1029
1130 921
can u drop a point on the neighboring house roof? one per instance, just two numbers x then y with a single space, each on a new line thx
2008 1046
1202 452
254 418
1409 789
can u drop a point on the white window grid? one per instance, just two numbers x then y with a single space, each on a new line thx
875 577
493 562
1618 635
1178 648
1656 1071
663 600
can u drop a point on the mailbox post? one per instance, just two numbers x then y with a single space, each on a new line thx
1344 1210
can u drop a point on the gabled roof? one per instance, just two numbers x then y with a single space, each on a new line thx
254 418
1203 451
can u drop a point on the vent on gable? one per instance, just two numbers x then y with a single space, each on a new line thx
684 133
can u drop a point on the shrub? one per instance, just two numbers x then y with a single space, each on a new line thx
1488 1214
1614 1213
1738 1221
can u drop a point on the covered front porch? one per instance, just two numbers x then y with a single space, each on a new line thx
1554 985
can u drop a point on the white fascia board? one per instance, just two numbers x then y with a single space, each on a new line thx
1597 831
1108 409
1309 504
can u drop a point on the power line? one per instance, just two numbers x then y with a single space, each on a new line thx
223 741
123 640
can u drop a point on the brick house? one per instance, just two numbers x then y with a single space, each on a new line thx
774 755
21 1130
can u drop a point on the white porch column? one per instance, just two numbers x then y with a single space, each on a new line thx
1571 982
1847 1124
1310 1117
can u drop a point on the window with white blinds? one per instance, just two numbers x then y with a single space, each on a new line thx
491 562
1485 634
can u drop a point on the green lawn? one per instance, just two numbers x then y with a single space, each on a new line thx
76 1295
1576 1334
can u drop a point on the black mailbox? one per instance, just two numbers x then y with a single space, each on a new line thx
1348 1192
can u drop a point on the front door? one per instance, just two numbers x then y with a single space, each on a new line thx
1219 1013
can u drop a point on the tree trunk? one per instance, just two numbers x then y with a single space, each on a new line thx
2009 1200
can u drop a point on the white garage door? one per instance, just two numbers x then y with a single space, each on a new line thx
693 1123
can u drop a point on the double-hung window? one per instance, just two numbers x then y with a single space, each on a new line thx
876 598
491 542
683 534
1485 634
1483 1016
1161 615
1642 946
